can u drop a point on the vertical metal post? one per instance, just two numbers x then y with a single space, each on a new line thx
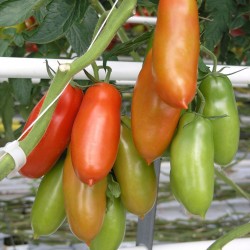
145 227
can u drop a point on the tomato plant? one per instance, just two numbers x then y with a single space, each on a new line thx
57 135
85 205
95 134
192 163
153 121
176 51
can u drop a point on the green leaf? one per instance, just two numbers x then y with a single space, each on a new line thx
220 15
147 3
237 22
11 35
113 187
199 3
16 11
244 9
58 20
7 110
241 2
203 69
21 89
224 49
81 32
113 191
127 47
18 40
4 45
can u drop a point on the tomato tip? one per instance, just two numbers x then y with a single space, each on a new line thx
35 236
149 161
184 105
88 243
141 217
90 182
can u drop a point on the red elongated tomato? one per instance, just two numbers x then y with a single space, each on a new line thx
57 135
85 206
176 51
96 133
153 121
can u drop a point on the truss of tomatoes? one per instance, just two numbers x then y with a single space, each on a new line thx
104 147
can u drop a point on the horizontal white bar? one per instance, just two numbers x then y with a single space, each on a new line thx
126 72
134 248
13 67
241 244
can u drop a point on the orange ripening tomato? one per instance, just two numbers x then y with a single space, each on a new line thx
176 51
153 121
96 132
57 135
85 206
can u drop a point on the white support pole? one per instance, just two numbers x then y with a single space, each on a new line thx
125 72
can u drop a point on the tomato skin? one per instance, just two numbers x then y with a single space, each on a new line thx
176 51
31 47
220 100
153 121
57 135
85 205
113 229
48 212
192 165
137 180
30 23
96 132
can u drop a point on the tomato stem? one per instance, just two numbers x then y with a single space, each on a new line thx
203 102
212 55
95 70
63 77
221 174
109 71
231 235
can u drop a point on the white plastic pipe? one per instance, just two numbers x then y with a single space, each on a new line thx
12 67
239 244
134 248
126 72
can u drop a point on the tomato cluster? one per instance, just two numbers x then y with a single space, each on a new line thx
75 187
197 122
102 145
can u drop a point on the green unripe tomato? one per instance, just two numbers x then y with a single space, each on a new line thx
48 212
192 164
220 100
113 229
137 179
